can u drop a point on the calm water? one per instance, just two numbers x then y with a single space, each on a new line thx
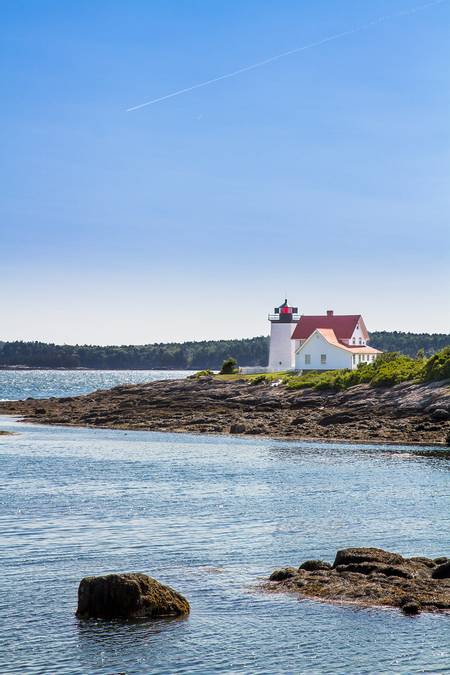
210 516
20 384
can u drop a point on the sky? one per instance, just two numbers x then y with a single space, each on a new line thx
323 175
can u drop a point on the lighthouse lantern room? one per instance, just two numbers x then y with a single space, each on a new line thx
282 348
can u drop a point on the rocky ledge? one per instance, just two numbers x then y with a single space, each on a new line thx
405 413
370 577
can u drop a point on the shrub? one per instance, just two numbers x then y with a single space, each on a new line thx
202 373
315 379
259 379
437 367
229 366
389 369
400 369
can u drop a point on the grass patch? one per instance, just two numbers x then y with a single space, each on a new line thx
255 378
201 373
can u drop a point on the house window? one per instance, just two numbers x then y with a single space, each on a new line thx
360 341
354 341
354 358
307 359
323 359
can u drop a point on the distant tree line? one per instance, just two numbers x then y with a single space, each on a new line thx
186 355
409 343
172 356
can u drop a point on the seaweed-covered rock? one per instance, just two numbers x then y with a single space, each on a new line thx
371 577
130 595
238 428
283 573
425 561
375 567
442 571
441 560
337 418
440 415
314 565
410 606
348 556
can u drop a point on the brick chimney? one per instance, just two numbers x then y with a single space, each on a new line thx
330 312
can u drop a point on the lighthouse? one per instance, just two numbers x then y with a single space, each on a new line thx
282 348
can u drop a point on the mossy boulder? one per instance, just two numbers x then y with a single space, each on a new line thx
131 595
348 556
314 565
283 573
410 606
442 571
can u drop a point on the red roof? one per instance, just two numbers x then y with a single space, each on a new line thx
331 338
343 325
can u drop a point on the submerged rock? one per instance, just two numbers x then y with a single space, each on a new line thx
130 595
410 606
371 577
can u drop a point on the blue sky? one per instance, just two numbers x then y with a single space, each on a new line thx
324 175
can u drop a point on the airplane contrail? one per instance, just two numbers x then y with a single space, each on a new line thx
296 50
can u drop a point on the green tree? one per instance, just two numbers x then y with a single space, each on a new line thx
229 366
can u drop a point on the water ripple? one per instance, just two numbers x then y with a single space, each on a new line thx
210 516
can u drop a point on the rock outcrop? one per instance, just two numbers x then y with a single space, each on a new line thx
128 596
370 577
405 413
442 571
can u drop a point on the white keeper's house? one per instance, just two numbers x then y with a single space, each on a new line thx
323 342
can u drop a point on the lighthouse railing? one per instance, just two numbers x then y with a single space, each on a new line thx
278 317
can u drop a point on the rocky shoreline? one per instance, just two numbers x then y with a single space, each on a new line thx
370 577
405 413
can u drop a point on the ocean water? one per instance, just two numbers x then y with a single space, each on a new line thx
211 516
21 384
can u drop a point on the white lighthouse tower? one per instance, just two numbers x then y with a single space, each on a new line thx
282 348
